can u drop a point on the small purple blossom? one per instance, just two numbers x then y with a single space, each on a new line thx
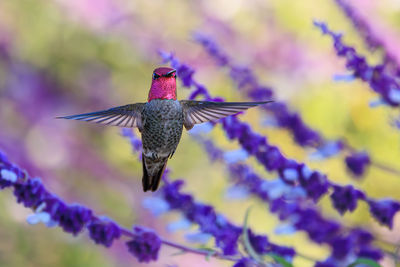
345 198
104 232
185 73
384 210
316 184
74 218
145 245
357 163
30 193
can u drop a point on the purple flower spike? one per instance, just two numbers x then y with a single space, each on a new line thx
361 24
376 76
30 193
384 210
185 73
74 218
212 48
104 232
345 198
357 163
145 245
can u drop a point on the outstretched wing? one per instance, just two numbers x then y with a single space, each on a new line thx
195 112
123 116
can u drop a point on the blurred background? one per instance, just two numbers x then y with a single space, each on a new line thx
65 57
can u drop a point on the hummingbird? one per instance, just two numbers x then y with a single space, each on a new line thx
161 120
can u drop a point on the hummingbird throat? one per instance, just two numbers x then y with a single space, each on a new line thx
163 88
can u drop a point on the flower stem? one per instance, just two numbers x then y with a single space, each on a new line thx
203 252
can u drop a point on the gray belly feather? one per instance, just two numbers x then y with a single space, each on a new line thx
162 127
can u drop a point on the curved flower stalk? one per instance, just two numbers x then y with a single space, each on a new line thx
246 82
360 24
290 204
364 28
378 79
49 209
315 183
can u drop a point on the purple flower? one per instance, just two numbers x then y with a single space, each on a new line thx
212 48
370 253
258 242
145 245
175 199
227 237
213 152
55 207
271 158
30 193
302 134
341 246
185 73
244 262
242 76
361 236
360 23
344 198
261 93
357 163
204 216
384 210
74 218
380 81
316 184
319 229
136 143
200 90
104 232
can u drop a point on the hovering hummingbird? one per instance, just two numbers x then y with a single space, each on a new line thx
160 121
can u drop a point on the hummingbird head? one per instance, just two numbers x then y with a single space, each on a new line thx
163 85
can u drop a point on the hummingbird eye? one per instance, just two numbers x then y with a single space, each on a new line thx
155 76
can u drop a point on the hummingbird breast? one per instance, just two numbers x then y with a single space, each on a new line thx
162 127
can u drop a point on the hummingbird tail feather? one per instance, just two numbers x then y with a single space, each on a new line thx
152 172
